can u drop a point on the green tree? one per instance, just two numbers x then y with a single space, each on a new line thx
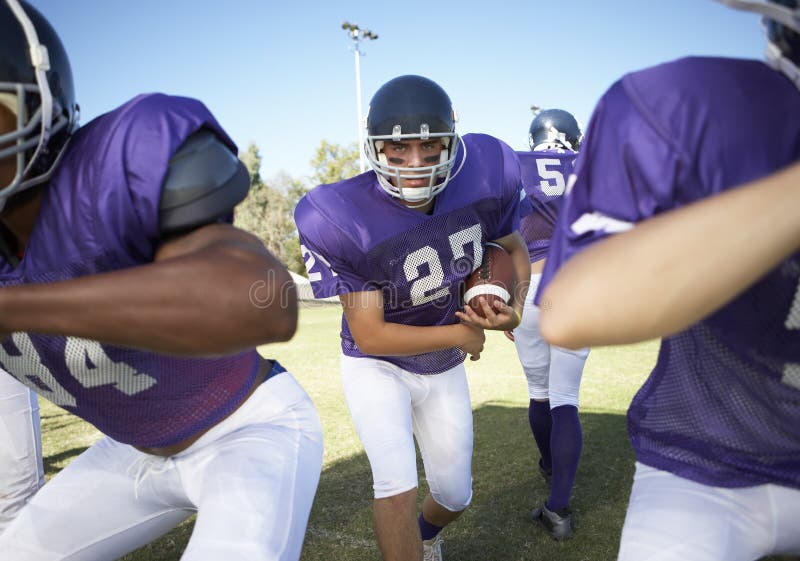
268 211
251 158
333 162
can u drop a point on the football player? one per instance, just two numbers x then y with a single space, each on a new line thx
553 373
129 300
395 244
716 427
21 468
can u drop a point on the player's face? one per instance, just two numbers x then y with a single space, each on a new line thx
413 154
8 168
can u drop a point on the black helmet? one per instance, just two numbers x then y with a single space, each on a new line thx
411 108
785 38
554 129
39 92
782 25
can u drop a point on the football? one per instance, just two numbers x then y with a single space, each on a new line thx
494 279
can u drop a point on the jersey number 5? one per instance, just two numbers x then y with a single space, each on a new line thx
548 174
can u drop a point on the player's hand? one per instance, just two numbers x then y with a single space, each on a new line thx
509 335
501 317
472 342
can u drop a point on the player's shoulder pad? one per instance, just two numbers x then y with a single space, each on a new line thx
205 180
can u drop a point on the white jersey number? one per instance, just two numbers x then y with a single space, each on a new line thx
310 259
546 174
791 370
431 286
87 362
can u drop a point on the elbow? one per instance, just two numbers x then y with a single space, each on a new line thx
285 325
553 333
370 342
367 345
558 329
277 315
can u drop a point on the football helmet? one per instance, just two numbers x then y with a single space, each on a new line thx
554 129
36 86
412 108
781 20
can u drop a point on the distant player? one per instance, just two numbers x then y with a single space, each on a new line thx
716 427
129 300
21 469
395 244
553 373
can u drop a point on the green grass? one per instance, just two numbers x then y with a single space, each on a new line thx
506 483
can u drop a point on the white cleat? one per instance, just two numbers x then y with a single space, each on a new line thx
432 549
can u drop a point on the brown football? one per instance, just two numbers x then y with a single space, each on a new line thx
494 279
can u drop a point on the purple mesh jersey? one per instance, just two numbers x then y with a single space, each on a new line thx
356 237
722 405
100 213
545 175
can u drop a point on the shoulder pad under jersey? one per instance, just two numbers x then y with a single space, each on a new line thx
205 180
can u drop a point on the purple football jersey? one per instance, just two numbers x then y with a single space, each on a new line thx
545 175
100 213
357 237
722 405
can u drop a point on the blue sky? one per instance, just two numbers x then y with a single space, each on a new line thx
280 73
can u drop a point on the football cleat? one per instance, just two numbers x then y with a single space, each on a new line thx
432 549
557 523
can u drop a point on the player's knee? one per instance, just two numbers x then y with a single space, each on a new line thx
453 498
538 389
561 398
386 488
537 382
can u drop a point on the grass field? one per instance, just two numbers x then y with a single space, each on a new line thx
506 483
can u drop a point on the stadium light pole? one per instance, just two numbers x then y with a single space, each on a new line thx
356 35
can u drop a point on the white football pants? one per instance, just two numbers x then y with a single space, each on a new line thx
552 372
390 406
670 518
251 479
21 470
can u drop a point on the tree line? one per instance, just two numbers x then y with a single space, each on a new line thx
268 210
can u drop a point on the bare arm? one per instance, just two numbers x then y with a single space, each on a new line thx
504 317
675 269
374 336
214 291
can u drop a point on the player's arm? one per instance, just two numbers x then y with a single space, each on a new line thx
375 336
673 270
212 289
504 317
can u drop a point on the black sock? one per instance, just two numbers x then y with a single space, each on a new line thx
427 530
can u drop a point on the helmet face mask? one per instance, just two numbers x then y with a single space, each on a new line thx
781 20
37 92
554 129
411 108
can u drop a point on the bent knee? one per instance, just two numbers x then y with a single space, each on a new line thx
454 500
388 488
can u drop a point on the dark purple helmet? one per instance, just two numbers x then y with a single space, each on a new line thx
36 87
554 129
